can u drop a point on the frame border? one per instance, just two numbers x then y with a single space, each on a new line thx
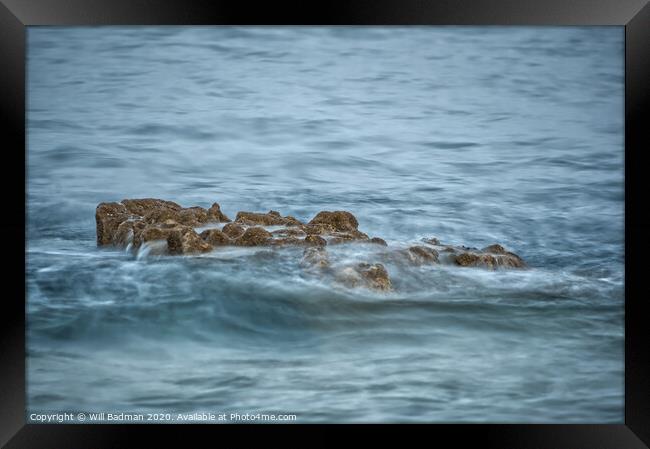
16 15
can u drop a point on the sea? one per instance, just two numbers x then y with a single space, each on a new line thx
471 135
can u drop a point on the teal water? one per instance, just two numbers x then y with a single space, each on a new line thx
471 135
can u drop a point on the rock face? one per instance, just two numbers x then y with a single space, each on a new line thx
171 229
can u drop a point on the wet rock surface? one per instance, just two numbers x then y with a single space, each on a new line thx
175 230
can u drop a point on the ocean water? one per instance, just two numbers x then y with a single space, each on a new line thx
473 135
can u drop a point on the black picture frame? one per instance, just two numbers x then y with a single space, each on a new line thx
16 15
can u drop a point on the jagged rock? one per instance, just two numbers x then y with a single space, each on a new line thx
215 214
215 237
432 241
186 241
341 221
272 218
255 236
373 276
378 241
315 258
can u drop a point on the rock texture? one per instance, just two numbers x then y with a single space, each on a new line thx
172 229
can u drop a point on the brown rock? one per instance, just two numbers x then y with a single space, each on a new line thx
375 275
432 241
493 256
215 237
339 220
378 241
317 229
315 240
193 216
186 241
466 259
108 217
233 230
272 218
145 205
215 214
255 236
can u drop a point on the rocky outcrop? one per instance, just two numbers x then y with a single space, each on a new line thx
491 257
172 229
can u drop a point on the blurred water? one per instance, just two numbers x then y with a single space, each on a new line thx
472 135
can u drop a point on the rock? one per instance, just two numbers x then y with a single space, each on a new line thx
166 226
146 205
315 258
186 241
493 256
315 240
215 237
255 236
494 249
373 276
271 218
108 217
215 214
233 230
341 221
193 216
466 259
